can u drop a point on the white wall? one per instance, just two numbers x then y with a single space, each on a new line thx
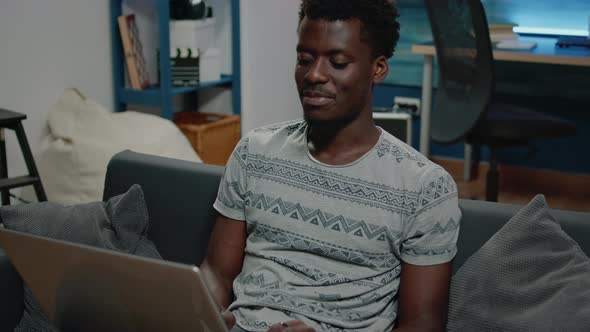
48 46
269 37
45 47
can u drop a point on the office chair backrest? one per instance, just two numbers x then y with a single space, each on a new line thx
466 77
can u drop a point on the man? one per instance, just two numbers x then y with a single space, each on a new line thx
330 223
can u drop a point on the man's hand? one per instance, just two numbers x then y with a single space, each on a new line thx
229 319
290 326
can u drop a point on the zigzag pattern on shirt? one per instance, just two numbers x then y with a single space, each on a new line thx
320 278
257 324
384 298
258 281
277 298
289 125
436 191
240 152
450 226
333 185
297 126
386 147
225 196
317 277
387 277
428 251
318 217
303 243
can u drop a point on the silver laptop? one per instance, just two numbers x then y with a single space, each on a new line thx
82 288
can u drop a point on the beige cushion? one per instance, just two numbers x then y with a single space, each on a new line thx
84 135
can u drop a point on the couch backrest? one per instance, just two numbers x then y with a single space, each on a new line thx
179 196
483 219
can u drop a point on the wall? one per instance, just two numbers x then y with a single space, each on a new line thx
269 38
47 46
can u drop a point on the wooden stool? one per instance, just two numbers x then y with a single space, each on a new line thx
13 120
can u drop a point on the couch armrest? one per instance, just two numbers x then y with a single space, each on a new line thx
179 196
11 298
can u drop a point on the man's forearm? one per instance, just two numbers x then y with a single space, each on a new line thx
220 289
426 324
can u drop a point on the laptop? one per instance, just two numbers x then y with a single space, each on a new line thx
83 288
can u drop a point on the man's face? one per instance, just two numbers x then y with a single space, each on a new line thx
335 70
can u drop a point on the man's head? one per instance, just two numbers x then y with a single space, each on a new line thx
380 27
342 53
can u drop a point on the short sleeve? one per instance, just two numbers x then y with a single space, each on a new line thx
430 236
233 188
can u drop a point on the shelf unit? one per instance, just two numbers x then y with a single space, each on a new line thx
161 94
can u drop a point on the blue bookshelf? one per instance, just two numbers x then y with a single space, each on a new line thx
161 95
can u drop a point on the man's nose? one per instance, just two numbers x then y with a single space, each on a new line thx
317 72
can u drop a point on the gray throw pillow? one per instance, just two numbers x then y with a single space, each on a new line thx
119 224
530 276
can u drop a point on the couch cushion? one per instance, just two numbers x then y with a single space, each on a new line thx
119 224
182 219
529 276
481 220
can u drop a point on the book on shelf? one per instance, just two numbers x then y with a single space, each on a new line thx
502 31
134 59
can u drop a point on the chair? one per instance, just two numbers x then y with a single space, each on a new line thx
463 106
13 120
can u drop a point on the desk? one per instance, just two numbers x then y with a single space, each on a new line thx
546 53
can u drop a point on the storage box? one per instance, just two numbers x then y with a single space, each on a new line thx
213 136
192 33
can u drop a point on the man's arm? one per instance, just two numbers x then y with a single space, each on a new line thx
423 297
225 255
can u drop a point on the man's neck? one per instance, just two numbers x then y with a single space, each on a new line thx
342 143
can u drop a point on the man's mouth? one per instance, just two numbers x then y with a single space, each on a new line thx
313 98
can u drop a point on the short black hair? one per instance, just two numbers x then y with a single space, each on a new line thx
378 17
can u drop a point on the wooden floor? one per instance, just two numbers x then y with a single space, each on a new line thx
562 190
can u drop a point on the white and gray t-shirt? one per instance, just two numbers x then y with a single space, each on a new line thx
325 243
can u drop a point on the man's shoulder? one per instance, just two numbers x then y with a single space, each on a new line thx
418 171
390 148
288 127
276 133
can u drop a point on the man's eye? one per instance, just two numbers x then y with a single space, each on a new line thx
303 61
339 65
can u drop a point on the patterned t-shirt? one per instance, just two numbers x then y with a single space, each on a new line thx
325 243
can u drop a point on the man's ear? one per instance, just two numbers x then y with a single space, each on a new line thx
380 69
